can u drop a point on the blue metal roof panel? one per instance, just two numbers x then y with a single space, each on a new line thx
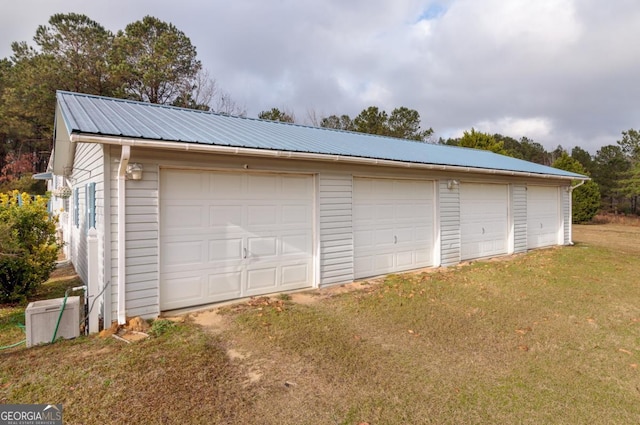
123 118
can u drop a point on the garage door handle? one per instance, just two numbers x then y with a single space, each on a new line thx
483 230
244 252
541 225
395 239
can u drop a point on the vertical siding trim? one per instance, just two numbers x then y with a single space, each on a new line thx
336 235
566 213
106 247
449 224
519 194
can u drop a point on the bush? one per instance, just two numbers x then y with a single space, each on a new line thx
28 248
586 198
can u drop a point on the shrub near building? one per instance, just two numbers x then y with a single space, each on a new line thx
28 248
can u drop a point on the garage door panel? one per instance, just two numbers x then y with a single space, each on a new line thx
224 216
183 253
235 234
262 186
221 186
184 184
262 215
261 247
295 214
296 187
405 259
484 220
294 274
392 222
384 213
182 289
543 216
225 249
363 239
224 285
295 244
261 279
191 214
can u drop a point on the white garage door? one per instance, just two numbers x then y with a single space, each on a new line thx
484 220
543 216
229 235
392 225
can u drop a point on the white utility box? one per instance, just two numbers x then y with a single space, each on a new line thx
41 318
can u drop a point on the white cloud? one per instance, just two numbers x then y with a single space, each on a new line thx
537 128
558 71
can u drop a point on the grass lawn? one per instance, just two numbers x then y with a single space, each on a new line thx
552 336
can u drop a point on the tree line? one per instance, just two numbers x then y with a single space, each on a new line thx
150 61
153 61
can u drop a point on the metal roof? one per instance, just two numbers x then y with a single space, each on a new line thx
102 116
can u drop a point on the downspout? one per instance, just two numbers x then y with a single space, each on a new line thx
122 169
571 188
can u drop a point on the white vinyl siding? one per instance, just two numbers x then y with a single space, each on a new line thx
449 223
336 232
519 202
566 214
141 239
88 169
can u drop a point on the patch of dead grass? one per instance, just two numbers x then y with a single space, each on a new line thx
548 337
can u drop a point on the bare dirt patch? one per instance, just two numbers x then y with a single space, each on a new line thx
211 321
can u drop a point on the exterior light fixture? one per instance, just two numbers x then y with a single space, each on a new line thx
452 183
134 171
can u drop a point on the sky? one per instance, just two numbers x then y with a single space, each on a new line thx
560 72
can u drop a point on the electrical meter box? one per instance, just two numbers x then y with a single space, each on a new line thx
41 318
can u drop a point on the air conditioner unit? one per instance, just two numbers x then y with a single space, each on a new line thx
41 318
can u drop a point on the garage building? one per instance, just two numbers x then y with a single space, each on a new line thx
186 208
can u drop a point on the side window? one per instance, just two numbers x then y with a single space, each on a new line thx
76 207
91 205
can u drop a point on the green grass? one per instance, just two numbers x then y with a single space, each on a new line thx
12 315
549 337
552 336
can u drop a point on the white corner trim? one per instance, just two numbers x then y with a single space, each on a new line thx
122 272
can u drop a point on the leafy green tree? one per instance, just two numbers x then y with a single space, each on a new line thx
584 158
610 167
342 122
275 114
478 140
630 143
372 121
403 123
70 54
534 152
630 186
28 248
153 61
79 46
586 198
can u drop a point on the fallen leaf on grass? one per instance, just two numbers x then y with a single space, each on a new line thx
622 350
523 347
633 365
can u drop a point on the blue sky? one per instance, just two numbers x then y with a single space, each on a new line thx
557 71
